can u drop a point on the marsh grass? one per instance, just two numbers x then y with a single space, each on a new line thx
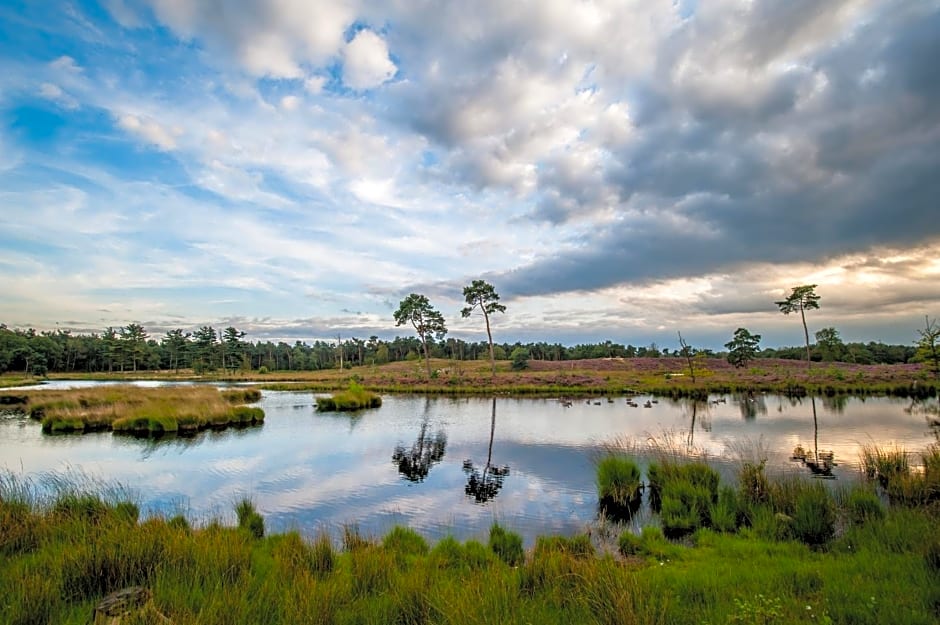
85 545
136 410
355 397
619 487
904 483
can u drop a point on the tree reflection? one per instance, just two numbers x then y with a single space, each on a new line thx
484 485
428 449
931 412
700 414
835 403
751 405
819 462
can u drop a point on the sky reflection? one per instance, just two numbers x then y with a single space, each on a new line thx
312 471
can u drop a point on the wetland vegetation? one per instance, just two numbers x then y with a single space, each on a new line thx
355 397
764 550
136 410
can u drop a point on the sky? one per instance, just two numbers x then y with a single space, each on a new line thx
622 169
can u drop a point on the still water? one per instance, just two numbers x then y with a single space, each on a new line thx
442 465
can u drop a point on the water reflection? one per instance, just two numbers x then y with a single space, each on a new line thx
313 471
484 485
180 442
414 464
698 410
930 409
751 405
820 463
835 403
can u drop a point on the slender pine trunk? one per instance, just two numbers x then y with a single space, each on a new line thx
489 336
805 333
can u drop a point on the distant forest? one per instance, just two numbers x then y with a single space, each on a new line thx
130 348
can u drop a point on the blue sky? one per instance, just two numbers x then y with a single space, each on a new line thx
616 169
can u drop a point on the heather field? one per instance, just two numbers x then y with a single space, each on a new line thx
661 376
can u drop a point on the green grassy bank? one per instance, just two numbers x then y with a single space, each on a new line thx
62 552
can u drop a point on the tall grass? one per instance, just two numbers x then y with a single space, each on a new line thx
355 397
85 545
619 488
132 409
904 483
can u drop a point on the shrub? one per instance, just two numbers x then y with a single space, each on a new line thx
506 545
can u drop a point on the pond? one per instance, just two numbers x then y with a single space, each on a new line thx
444 465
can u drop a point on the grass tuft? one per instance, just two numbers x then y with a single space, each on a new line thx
355 397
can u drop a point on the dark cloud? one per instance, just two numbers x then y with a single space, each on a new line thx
702 191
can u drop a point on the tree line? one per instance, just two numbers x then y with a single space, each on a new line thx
130 348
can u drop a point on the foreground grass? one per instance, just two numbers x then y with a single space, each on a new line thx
137 410
63 552
660 376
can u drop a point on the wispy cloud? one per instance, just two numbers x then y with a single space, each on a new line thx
616 169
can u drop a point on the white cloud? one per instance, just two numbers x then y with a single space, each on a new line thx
274 38
123 14
150 131
54 93
366 63
290 102
314 85
65 64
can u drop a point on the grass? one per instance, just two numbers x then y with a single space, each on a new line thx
619 488
64 549
136 410
903 483
355 397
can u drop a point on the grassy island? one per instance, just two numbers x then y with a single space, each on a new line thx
132 409
355 397
64 550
